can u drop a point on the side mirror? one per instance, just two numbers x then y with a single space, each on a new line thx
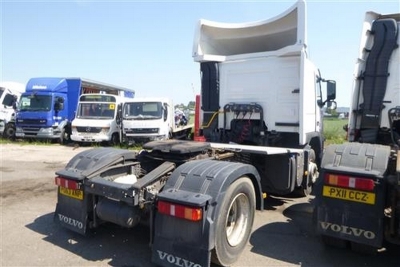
59 104
331 90
165 112
15 102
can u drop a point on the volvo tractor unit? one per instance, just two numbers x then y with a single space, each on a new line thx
358 191
259 132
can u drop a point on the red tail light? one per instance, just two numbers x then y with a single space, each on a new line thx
60 181
350 182
180 211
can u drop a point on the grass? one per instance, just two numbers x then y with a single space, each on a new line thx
333 131
25 142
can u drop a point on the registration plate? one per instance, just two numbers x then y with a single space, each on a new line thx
349 194
74 193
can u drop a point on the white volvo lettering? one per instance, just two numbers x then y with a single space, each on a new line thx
347 230
70 221
175 260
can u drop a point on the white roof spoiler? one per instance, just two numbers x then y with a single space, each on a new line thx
216 41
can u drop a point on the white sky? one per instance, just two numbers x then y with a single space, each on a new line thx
147 45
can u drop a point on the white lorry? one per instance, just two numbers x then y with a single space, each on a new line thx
261 118
98 117
9 95
149 119
357 198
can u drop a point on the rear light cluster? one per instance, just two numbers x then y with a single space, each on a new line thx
60 181
180 211
350 182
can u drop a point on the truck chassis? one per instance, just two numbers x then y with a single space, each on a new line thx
198 198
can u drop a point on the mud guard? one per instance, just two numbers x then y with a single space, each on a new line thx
349 220
201 183
73 213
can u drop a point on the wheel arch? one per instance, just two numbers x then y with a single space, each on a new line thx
316 141
214 178
199 182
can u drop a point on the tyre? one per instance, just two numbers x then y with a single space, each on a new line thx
306 188
114 140
234 223
9 131
62 137
307 185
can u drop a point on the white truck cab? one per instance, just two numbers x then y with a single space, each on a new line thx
97 119
9 95
148 119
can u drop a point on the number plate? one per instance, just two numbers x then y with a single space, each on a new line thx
349 194
74 193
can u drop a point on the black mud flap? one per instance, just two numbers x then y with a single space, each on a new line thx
200 183
72 213
357 223
351 218
180 242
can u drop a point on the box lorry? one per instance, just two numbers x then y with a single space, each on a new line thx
9 95
149 119
357 197
199 198
98 118
47 107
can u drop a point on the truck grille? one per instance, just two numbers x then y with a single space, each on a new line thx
32 121
142 130
88 129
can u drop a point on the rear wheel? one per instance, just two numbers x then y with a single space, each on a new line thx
9 131
62 137
234 223
312 174
114 140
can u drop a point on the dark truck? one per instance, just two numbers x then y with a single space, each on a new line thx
358 192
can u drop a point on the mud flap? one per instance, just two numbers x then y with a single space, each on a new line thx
340 216
352 222
201 183
72 213
181 242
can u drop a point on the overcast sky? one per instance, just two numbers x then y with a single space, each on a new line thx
147 45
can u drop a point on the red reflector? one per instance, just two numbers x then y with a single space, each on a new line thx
350 182
180 211
66 183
